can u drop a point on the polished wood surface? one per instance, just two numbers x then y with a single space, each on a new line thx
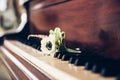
90 23
13 70
4 72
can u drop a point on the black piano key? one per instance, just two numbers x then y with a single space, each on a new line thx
56 54
93 60
86 58
90 62
35 43
107 72
80 61
88 65
66 57
38 48
28 43
96 68
98 64
34 46
72 60
111 68
118 77
60 56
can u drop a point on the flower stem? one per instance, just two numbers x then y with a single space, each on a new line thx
37 36
63 48
72 50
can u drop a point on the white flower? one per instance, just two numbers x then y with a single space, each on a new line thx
48 45
54 43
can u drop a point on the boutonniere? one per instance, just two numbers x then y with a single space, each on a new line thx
54 42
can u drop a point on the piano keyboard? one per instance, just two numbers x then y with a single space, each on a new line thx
52 68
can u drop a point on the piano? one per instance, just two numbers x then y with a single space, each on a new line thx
91 26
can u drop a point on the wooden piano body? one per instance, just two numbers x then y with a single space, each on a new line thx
94 23
88 24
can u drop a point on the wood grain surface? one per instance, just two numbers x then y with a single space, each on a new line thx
90 23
